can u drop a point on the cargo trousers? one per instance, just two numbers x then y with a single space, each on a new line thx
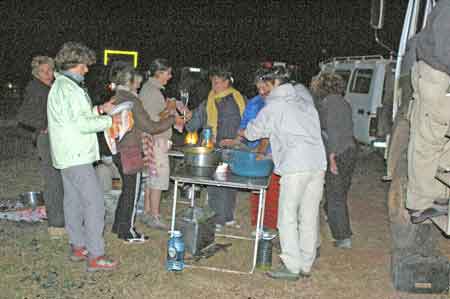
428 146
298 218
84 208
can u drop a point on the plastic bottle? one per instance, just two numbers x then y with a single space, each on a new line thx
207 137
175 252
264 254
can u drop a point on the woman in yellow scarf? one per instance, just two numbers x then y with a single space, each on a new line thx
225 107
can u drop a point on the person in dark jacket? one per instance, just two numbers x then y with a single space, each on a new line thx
32 117
128 81
337 131
429 145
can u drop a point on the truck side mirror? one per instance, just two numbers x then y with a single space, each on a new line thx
377 14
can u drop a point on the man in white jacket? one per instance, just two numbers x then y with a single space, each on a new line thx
291 122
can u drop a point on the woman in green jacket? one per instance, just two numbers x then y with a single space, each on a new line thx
72 127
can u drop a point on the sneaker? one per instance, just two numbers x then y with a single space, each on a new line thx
344 243
78 254
56 232
136 239
283 273
101 263
154 222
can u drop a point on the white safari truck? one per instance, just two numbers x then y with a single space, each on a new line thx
369 90
380 92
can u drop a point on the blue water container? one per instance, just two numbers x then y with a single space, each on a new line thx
175 252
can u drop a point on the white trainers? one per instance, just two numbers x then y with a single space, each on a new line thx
219 228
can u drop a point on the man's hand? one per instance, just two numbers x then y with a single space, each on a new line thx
333 164
108 106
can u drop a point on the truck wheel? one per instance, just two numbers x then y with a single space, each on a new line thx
407 238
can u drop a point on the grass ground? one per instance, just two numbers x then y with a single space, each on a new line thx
34 266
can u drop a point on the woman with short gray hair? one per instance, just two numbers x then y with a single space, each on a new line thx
38 62
32 117
72 54
127 81
72 126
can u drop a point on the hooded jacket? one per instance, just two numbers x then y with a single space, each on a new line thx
292 125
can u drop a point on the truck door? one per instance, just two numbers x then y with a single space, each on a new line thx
359 96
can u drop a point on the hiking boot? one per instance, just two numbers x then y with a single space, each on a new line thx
56 232
343 244
101 263
154 221
283 273
78 254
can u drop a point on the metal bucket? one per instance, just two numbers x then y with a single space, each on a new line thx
199 156
32 199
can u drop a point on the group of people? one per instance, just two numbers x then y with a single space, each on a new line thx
309 136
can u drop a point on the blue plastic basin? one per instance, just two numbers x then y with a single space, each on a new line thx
245 164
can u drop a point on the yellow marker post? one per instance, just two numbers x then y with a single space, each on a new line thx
109 52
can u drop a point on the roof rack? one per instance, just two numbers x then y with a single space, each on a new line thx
352 58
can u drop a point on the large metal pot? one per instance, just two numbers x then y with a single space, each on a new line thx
32 199
200 156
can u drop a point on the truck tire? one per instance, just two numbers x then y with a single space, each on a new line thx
407 239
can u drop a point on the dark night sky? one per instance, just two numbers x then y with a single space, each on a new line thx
195 32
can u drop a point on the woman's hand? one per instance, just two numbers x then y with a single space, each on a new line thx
179 121
260 156
227 142
171 104
187 115
164 114
116 120
108 106
241 133
333 164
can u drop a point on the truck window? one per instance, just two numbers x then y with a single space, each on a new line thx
345 74
361 81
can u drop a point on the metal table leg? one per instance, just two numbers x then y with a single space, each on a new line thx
193 196
259 226
174 206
